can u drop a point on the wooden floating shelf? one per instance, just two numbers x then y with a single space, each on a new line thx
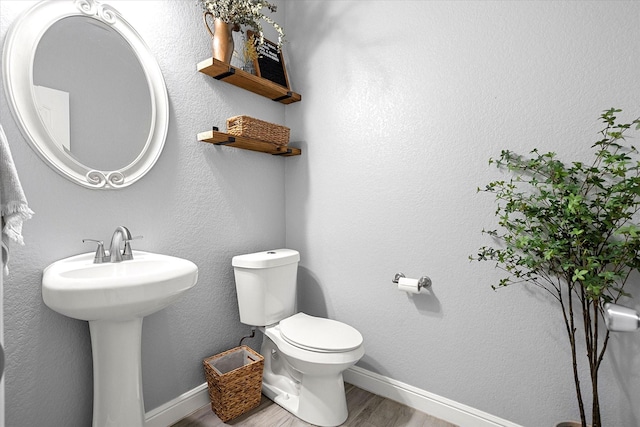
222 71
221 138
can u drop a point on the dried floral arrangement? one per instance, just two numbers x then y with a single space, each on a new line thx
249 51
248 13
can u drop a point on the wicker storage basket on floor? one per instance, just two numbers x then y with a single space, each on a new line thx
253 128
235 381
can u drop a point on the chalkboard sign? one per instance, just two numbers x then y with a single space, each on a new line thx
270 63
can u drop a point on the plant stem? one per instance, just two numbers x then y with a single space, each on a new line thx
595 366
571 332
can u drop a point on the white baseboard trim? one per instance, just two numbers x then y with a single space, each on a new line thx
178 408
438 406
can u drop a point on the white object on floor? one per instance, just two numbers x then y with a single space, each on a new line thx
304 356
114 297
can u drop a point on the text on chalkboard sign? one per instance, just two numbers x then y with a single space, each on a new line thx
270 63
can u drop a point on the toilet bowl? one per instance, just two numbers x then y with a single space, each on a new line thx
305 355
308 382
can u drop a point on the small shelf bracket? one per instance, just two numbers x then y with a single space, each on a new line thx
226 74
230 140
283 97
283 153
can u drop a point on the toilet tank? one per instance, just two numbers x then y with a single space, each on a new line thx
266 285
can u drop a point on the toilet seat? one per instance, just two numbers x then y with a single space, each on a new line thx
319 334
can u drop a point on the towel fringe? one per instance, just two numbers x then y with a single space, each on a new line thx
15 207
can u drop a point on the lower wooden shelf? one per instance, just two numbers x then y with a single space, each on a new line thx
222 138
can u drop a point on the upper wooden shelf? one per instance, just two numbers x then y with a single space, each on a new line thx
222 71
221 138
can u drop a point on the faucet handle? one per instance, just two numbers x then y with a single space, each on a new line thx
127 253
100 256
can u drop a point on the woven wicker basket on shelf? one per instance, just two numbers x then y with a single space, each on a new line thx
235 381
253 128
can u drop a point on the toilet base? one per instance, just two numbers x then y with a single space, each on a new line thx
327 409
313 392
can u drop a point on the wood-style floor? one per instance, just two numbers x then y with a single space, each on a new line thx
365 410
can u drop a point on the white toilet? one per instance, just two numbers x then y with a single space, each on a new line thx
304 356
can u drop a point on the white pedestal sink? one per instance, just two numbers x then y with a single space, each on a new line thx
114 298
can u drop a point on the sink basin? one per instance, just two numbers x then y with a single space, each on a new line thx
78 288
114 298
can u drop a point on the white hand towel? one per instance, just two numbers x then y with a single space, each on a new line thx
13 203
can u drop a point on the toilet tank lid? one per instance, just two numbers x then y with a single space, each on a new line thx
266 259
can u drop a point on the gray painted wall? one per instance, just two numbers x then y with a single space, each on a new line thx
200 202
404 103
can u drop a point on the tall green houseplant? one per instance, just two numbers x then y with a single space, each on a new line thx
571 230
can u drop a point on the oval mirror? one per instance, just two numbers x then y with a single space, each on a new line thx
86 92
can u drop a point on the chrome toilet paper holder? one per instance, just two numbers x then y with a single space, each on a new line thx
423 282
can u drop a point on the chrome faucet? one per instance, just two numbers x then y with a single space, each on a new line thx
120 235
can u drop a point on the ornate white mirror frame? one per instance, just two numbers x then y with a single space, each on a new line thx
18 59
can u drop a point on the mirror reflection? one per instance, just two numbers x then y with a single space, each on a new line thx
92 93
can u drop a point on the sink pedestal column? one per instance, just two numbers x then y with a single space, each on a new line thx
117 373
